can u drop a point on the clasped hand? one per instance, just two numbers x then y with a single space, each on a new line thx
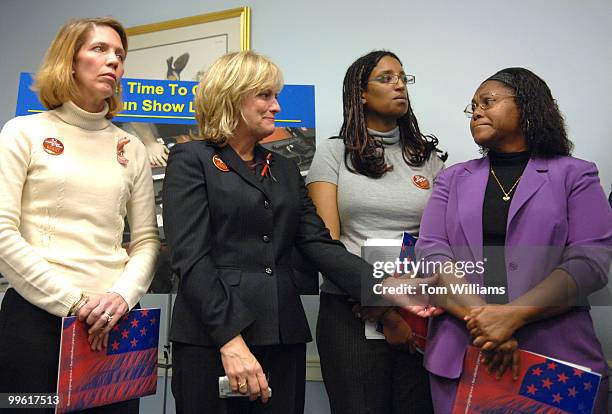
397 331
102 313
493 328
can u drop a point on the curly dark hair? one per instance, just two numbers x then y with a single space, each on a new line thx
367 154
541 120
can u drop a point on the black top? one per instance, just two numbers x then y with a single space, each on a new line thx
508 167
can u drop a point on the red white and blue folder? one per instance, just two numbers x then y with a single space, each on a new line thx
545 386
374 330
126 369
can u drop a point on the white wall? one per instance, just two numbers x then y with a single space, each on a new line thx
451 46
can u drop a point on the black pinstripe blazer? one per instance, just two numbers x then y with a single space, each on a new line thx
231 235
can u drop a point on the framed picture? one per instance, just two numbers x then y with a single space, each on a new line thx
181 49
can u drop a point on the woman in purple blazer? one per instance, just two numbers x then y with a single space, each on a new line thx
541 220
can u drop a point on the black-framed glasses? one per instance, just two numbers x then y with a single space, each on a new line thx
486 102
393 78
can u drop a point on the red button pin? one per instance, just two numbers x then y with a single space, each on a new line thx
218 162
121 158
53 146
421 182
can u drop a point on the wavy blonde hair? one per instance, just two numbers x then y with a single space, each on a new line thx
55 81
229 80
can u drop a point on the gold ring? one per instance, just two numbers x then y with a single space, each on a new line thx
109 316
242 385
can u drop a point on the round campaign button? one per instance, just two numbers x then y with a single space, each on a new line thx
53 146
421 182
218 162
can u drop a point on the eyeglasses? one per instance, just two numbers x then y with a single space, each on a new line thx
486 102
392 79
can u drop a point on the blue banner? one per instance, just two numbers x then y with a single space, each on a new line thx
171 102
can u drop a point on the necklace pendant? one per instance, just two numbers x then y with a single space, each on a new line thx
506 198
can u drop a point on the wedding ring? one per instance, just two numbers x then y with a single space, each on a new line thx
242 386
109 316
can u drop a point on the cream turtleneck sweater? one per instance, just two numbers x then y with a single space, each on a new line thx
61 214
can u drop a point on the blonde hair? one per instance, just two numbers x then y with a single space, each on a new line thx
55 81
229 80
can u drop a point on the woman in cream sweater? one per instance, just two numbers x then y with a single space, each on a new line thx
68 178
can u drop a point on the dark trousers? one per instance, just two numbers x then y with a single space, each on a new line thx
196 371
366 376
29 353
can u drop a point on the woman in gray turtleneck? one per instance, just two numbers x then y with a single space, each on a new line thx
373 181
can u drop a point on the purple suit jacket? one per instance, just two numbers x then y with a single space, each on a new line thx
558 218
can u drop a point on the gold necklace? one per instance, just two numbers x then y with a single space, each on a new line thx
506 196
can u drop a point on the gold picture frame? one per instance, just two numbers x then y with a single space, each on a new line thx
183 48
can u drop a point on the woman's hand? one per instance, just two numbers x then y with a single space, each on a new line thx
158 154
424 311
102 313
374 313
505 356
98 342
406 291
492 325
243 370
369 313
397 331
